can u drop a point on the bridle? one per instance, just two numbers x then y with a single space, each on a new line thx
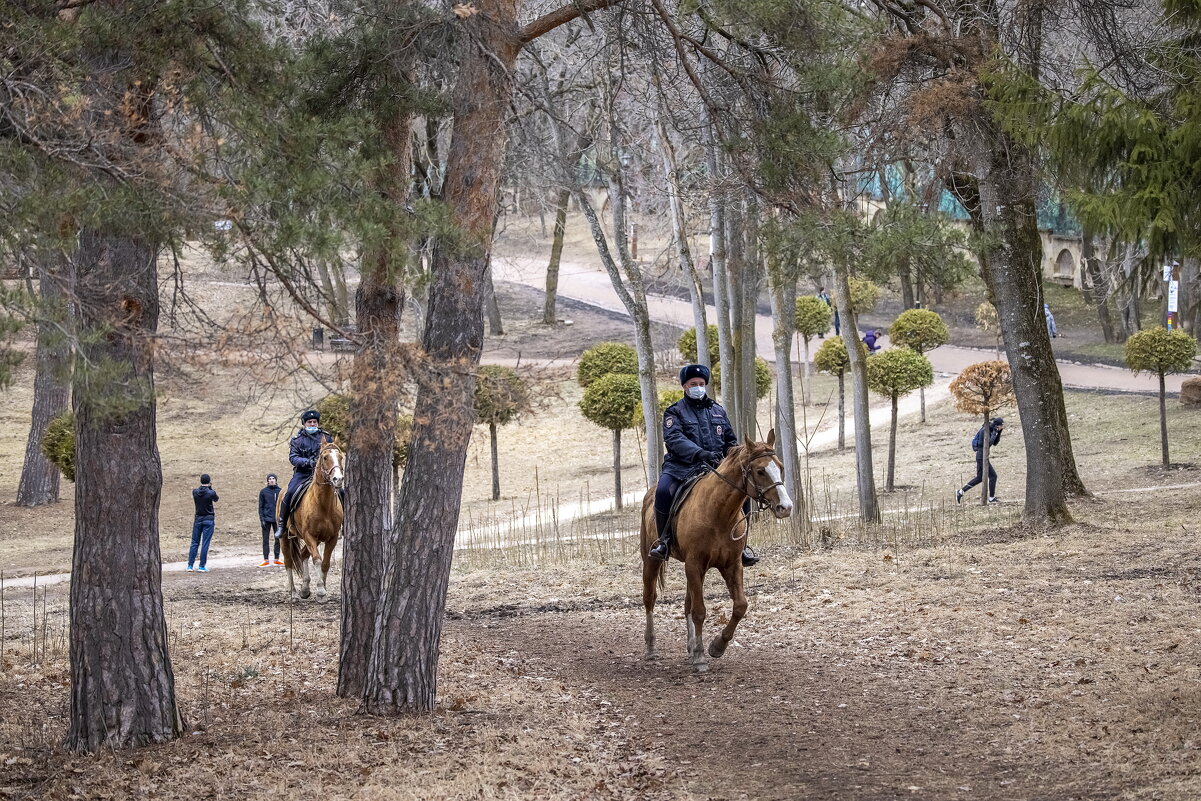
760 494
322 471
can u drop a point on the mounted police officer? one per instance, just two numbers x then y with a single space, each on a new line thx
302 453
697 434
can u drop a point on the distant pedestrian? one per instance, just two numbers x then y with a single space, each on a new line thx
1051 329
995 427
268 495
824 297
202 528
870 338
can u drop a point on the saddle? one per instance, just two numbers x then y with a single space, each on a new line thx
677 501
293 502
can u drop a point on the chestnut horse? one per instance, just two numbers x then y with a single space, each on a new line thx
710 532
316 520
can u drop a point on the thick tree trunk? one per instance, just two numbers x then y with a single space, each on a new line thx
375 382
404 660
51 386
1163 421
889 483
869 506
549 315
122 685
1001 203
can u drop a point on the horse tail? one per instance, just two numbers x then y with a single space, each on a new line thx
661 576
289 547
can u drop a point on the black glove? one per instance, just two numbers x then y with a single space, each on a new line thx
713 458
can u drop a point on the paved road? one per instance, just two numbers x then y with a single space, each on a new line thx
583 283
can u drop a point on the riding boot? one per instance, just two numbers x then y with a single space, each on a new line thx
662 548
749 557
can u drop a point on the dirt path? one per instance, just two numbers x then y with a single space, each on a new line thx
582 283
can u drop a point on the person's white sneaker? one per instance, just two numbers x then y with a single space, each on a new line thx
994 499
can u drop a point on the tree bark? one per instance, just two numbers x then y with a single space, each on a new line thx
783 300
617 500
375 383
985 450
717 248
892 448
842 414
495 461
40 479
1163 421
679 230
403 668
122 685
1001 202
549 315
496 325
1097 287
869 506
905 273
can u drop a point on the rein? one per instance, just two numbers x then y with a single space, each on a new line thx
759 498
322 472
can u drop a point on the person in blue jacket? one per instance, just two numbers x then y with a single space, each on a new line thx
697 434
995 427
302 453
268 495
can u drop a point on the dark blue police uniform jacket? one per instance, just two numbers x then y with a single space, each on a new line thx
302 453
691 427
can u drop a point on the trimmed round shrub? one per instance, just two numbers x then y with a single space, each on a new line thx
609 401
832 358
666 398
763 377
813 316
687 345
58 443
605 359
1160 351
335 418
501 395
919 329
898 371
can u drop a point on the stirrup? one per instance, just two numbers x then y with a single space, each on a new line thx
664 551
749 557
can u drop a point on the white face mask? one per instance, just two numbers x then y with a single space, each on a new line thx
696 393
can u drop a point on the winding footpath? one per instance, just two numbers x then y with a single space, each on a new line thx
587 285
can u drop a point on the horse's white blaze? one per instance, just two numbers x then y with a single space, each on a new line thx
773 472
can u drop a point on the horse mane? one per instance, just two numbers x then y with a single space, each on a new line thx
745 451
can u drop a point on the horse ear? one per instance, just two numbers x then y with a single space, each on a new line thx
771 438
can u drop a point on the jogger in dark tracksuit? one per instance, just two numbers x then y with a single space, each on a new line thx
994 436
267 498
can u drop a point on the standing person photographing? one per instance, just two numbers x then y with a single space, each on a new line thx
203 497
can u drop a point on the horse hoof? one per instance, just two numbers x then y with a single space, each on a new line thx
303 595
717 648
651 656
322 598
701 667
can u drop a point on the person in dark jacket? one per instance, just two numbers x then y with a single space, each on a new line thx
268 495
202 527
697 434
302 453
995 427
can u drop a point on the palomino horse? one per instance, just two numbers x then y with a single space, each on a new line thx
316 520
710 530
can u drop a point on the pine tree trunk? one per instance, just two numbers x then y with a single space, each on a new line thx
1163 421
906 275
492 439
889 484
375 382
404 657
40 479
869 506
617 468
1001 202
122 685
679 230
549 315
